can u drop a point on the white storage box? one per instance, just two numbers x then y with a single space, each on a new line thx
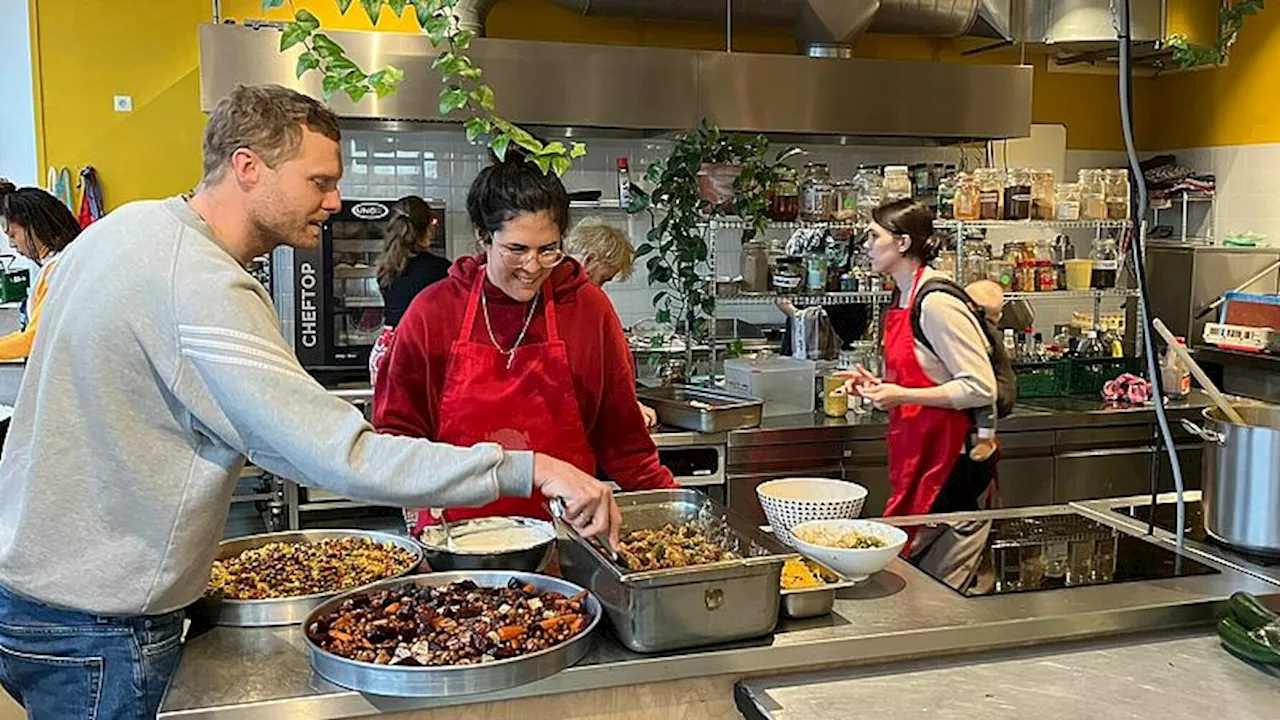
785 384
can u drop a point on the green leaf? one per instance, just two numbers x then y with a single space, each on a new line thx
294 33
499 145
372 8
326 47
307 20
471 73
330 85
477 127
272 4
344 6
397 6
436 26
307 61
483 96
341 65
644 249
449 65
543 162
452 98
385 81
462 39
577 150
354 77
560 164
423 9
553 148
663 316
355 92
639 202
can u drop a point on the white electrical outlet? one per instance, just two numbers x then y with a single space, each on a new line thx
124 103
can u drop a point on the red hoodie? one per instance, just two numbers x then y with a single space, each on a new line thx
406 400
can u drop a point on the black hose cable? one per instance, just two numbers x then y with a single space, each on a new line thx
1138 247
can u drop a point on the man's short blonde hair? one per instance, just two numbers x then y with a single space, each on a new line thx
608 244
267 119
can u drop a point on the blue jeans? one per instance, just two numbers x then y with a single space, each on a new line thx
68 665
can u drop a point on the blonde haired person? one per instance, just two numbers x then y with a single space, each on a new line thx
606 254
604 250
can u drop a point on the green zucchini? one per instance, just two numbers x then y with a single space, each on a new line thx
1249 611
1242 643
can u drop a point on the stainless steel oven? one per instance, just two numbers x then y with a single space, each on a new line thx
328 297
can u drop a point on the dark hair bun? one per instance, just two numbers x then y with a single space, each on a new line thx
930 249
7 187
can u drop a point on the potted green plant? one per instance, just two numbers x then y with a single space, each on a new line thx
686 190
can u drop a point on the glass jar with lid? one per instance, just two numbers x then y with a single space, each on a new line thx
1066 203
755 266
784 196
846 203
976 255
1117 194
897 183
946 197
817 193
1093 195
1106 264
965 202
990 186
1017 194
1042 195
870 188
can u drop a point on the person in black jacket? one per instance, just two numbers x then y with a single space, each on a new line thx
405 269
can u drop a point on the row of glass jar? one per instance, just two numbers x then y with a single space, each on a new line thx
767 268
815 196
1022 194
1034 267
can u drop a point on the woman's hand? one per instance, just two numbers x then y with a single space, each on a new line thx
650 415
885 396
856 379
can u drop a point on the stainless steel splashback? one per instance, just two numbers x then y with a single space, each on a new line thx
563 85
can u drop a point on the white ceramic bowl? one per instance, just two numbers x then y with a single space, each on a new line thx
855 564
790 501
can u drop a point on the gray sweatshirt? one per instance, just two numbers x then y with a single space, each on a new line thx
159 365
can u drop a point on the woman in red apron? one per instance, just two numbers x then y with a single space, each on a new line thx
927 394
517 347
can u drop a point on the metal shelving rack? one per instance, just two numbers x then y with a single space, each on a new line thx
877 299
1186 199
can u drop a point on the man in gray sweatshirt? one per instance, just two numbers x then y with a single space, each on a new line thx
158 367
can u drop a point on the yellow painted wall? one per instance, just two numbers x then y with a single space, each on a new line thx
90 50
1232 105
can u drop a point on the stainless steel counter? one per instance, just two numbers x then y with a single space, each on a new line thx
899 614
1180 674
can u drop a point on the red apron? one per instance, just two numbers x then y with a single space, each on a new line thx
924 442
530 406
378 355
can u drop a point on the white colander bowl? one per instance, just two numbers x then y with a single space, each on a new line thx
787 502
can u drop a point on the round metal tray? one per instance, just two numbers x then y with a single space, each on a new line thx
450 680
291 610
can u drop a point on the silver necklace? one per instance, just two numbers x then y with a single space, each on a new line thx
488 325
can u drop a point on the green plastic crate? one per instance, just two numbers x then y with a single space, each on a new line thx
1088 376
1042 380
13 285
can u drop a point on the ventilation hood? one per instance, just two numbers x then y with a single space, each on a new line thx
821 25
566 88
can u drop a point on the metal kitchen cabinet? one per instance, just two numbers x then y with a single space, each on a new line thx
761 461
1025 471
1118 460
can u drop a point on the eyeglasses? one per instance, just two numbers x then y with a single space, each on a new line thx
547 257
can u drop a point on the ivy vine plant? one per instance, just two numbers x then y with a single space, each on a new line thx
1231 18
464 90
677 244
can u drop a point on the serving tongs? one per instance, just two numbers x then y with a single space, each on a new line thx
556 506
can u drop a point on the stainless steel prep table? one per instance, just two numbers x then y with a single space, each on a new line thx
899 614
1170 675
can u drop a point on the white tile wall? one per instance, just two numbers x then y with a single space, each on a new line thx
1248 181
